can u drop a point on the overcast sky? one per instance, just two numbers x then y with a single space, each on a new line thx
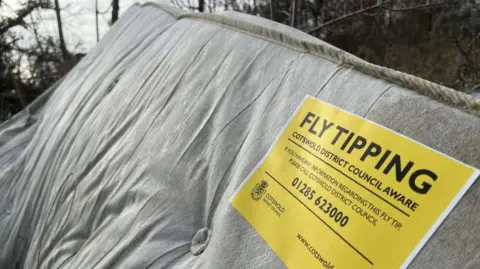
78 18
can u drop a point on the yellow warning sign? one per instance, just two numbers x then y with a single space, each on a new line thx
338 191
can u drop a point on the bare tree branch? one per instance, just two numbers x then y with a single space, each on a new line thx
63 47
432 5
286 13
466 53
21 14
106 10
347 16
380 4
182 4
472 42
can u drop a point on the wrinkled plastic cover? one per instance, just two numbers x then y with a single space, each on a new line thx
138 149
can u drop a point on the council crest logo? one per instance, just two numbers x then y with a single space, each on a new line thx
259 190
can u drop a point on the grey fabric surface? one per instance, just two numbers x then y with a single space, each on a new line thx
132 158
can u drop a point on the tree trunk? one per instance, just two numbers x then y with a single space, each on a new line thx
271 10
115 9
63 47
201 4
96 19
18 89
300 16
294 11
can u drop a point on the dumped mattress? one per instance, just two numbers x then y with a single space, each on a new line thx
131 159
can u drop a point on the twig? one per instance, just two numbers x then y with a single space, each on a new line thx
378 5
347 16
21 14
459 46
470 46
286 13
415 8
466 53
106 10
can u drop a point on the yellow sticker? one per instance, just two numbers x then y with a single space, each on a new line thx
338 191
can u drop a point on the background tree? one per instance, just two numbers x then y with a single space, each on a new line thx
115 10
434 39
27 69
63 47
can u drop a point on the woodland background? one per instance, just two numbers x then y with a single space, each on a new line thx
435 40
